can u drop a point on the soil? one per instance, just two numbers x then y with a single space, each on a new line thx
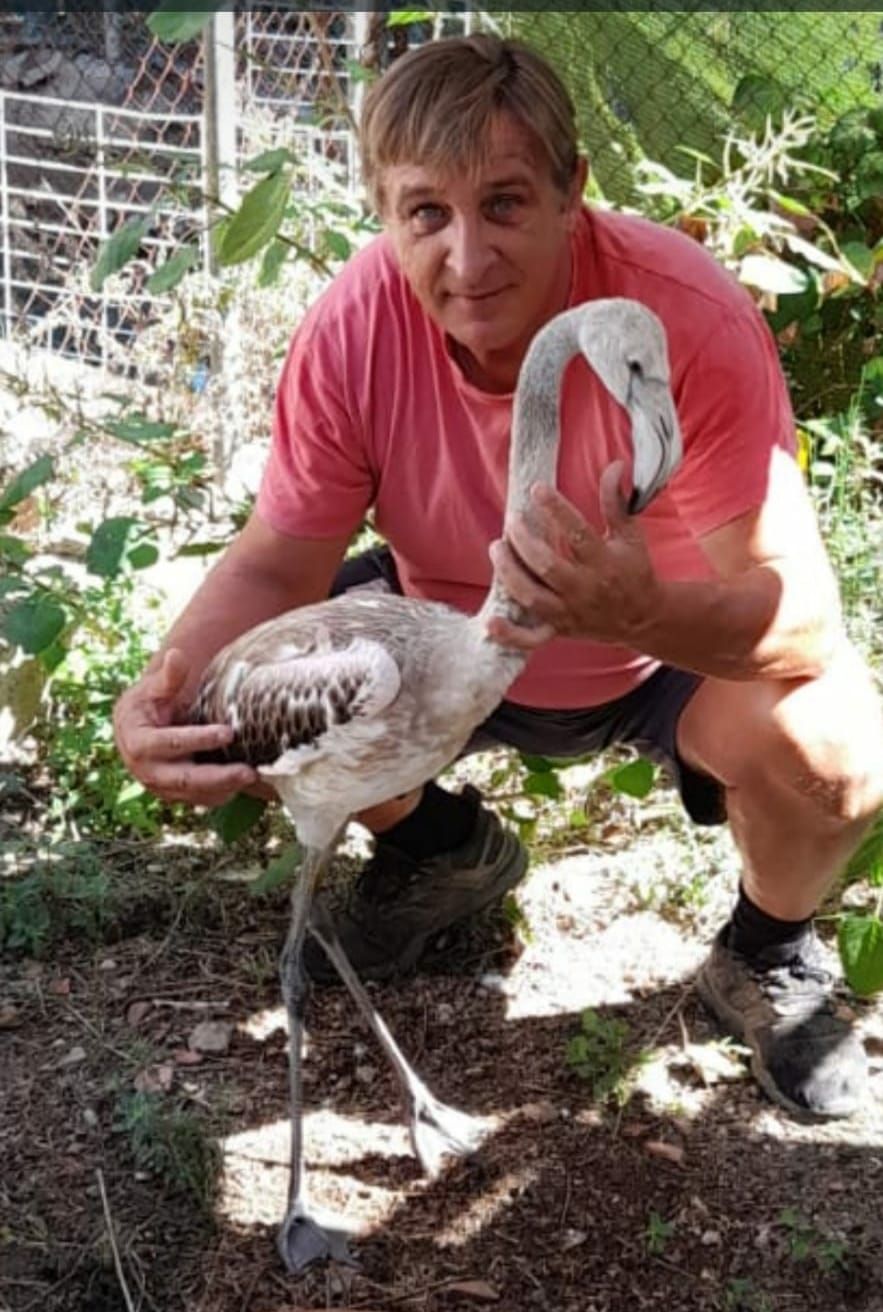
687 1191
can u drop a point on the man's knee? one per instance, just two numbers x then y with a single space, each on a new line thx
815 744
824 742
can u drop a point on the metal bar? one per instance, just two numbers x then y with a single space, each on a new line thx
5 236
124 175
89 106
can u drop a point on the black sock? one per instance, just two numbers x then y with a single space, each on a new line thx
752 930
439 822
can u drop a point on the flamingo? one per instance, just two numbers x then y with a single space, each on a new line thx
346 703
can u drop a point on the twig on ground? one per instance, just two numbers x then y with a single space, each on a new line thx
118 1266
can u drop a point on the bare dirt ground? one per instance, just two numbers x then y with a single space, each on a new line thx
689 1191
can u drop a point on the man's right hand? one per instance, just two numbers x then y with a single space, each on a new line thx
159 752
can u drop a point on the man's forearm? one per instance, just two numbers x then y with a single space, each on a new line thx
757 625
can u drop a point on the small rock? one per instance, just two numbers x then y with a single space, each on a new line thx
90 1116
573 1239
10 1019
60 987
444 1013
72 1058
366 1074
107 964
211 1036
711 1238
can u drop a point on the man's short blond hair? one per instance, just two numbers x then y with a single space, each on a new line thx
435 106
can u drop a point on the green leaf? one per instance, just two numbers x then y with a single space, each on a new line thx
543 785
34 624
860 256
536 764
404 17
138 429
118 250
107 549
144 555
278 871
757 98
37 473
274 257
338 244
13 550
201 548
358 72
236 817
860 939
867 861
270 161
791 206
257 220
168 25
634 779
771 275
168 275
869 175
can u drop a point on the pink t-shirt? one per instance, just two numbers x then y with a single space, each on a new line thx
372 411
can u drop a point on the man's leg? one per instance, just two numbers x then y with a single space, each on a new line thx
802 767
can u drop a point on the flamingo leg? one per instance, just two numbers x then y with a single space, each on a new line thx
304 1236
437 1131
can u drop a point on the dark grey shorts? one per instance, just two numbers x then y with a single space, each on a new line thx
646 717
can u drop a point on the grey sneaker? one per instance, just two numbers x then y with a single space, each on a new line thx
781 1004
398 904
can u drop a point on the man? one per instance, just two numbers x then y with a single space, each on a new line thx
707 632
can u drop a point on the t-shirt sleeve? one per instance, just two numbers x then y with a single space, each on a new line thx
317 482
734 410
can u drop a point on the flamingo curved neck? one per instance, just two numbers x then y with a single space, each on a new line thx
533 453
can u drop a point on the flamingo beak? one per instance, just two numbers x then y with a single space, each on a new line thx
656 439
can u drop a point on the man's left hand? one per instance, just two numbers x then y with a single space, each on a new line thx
576 582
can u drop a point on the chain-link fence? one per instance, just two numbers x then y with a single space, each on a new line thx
649 84
97 117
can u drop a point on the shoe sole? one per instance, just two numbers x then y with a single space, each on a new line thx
733 1022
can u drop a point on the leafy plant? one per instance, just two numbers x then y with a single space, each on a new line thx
598 1054
658 1233
807 1243
171 1141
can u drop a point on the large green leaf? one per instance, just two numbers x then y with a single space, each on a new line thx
861 950
274 257
236 817
404 17
278 871
168 25
110 541
270 161
257 220
138 429
546 784
38 472
118 250
34 624
168 275
634 779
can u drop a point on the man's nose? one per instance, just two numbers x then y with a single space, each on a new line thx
470 252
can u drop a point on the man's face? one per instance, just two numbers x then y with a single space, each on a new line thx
488 256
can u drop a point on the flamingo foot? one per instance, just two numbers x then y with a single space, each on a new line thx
304 1239
439 1131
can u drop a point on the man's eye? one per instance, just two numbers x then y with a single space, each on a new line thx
504 205
427 215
